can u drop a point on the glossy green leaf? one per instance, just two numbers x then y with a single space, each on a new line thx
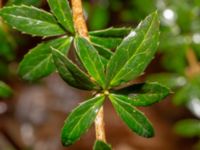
134 119
107 42
135 52
90 59
5 90
31 20
104 52
109 38
62 11
80 119
25 2
38 62
170 80
71 73
188 128
100 145
111 32
144 94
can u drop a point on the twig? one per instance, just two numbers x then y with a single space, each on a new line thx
194 66
81 29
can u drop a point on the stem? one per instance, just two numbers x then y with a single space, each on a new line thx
193 63
99 126
78 17
81 29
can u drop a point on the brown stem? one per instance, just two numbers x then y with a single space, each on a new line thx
81 29
193 63
78 18
99 126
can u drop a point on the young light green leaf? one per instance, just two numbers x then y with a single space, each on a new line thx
38 62
100 145
188 128
111 32
80 119
135 119
5 90
62 11
135 52
144 94
90 59
71 73
171 80
31 20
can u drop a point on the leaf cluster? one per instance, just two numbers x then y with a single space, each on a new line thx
109 60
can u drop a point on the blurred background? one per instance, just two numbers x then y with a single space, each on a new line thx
32 114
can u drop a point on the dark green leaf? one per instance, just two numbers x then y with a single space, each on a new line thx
107 42
71 73
100 145
80 119
26 2
170 80
104 52
188 128
135 52
135 119
111 32
31 20
5 90
90 59
62 11
144 94
38 62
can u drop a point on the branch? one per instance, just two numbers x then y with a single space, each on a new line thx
194 67
81 29
78 17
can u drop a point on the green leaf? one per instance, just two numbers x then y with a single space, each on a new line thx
38 62
189 92
134 53
5 90
104 52
90 59
111 32
31 20
100 145
144 94
107 42
135 119
62 11
188 128
109 38
170 80
80 119
25 2
71 73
